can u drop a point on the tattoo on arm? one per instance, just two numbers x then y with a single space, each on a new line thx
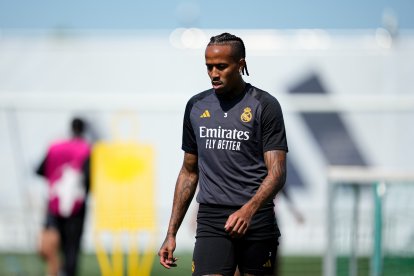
184 192
276 176
276 164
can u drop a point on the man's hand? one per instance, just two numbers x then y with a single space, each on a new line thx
238 222
167 258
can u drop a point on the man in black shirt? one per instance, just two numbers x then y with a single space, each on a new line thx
235 148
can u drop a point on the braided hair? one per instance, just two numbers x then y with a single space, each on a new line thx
236 42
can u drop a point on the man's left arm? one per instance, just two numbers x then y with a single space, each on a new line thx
238 222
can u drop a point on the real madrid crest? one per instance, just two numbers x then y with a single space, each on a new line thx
246 115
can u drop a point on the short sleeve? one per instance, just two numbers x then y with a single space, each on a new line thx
189 143
273 126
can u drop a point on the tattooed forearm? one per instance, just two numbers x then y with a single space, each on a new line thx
274 181
184 192
278 170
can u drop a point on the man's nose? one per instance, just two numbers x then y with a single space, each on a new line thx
214 73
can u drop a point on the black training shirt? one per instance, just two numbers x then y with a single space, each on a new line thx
230 138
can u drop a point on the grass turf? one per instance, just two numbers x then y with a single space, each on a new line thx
13 264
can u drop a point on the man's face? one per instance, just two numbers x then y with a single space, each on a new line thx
222 68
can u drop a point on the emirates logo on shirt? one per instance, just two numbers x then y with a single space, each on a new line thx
246 115
222 138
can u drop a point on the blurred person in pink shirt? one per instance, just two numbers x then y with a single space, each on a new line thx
66 169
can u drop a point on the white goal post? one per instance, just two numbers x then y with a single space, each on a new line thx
356 178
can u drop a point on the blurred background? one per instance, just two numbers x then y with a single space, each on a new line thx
342 71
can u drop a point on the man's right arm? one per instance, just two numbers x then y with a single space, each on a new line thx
41 169
185 188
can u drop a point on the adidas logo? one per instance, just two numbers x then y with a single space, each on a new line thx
205 114
267 264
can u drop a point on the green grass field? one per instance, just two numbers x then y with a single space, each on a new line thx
13 264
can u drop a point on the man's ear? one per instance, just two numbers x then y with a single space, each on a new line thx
243 66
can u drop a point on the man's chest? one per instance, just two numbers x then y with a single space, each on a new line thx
218 127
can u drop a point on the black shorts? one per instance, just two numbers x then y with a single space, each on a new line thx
69 228
70 232
61 223
216 252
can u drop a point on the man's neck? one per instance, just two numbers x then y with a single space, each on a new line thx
235 92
